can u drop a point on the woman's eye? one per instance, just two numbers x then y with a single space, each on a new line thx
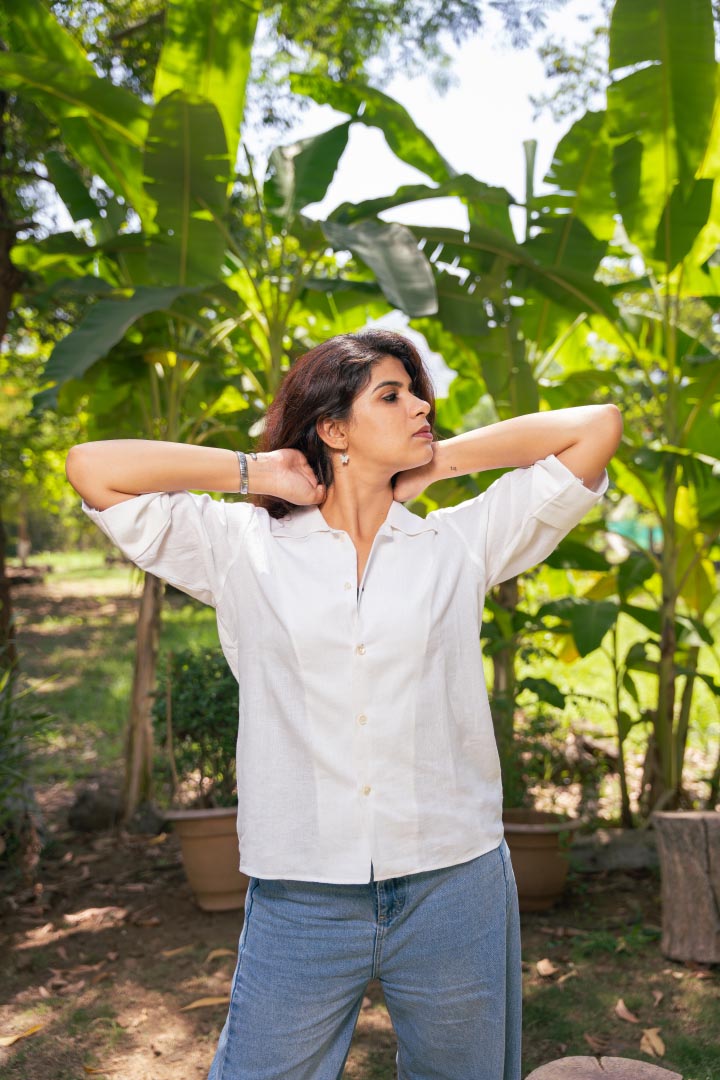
390 397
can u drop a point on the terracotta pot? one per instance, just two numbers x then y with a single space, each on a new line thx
209 844
539 860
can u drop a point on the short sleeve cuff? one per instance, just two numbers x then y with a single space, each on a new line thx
564 498
135 524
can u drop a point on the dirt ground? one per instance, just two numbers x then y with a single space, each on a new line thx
108 954
102 961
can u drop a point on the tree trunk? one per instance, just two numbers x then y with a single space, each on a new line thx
605 1068
139 748
683 727
504 693
689 849
8 652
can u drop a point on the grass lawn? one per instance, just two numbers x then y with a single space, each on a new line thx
108 949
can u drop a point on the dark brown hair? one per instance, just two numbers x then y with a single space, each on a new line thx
323 383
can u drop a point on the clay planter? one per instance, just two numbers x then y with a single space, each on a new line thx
208 840
538 841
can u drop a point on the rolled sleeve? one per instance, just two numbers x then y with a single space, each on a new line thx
186 539
522 517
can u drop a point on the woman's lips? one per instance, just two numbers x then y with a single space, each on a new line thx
423 435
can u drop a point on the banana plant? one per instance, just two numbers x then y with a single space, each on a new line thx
169 166
612 291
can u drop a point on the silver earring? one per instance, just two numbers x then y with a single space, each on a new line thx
344 458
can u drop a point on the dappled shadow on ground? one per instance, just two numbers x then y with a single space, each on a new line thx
107 950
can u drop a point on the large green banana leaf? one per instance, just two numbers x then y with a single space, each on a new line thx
32 29
573 289
392 254
490 205
660 116
369 106
301 173
103 126
103 326
206 53
186 170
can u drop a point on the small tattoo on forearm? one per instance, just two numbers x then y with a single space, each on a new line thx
453 468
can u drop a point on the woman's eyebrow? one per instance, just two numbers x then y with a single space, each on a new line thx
391 382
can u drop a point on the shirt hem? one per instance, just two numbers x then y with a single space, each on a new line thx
245 869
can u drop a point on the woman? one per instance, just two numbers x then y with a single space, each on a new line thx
369 789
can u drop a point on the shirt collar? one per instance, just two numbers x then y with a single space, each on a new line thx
304 520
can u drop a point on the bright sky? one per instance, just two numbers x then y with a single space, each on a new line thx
478 126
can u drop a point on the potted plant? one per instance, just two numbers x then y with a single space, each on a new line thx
540 840
195 713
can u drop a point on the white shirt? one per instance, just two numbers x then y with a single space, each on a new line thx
365 732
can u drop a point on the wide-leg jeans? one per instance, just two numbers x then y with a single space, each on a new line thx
445 945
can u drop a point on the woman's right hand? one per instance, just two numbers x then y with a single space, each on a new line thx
285 474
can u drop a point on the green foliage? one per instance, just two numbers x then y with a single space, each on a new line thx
22 727
204 723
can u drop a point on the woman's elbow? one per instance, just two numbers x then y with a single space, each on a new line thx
73 465
81 474
615 418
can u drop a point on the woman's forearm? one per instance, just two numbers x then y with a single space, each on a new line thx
103 472
585 435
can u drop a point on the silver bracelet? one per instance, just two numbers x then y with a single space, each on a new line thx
242 460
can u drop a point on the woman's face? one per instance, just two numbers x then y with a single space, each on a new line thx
386 419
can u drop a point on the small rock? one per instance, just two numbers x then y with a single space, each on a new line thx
95 809
615 849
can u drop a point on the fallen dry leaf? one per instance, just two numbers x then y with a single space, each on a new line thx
651 1043
597 1043
201 1003
8 1040
159 839
624 1013
657 996
546 967
220 952
167 953
567 975
77 917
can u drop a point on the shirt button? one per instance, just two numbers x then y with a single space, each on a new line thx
338 536
348 584
362 719
366 790
360 650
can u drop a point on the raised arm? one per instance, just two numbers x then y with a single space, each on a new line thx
113 470
583 438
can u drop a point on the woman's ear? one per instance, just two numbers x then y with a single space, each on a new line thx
332 432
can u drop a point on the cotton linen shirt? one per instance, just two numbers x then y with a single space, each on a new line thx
365 734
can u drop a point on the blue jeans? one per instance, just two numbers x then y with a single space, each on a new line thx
445 945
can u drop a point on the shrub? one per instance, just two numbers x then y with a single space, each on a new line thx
201 737
21 728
